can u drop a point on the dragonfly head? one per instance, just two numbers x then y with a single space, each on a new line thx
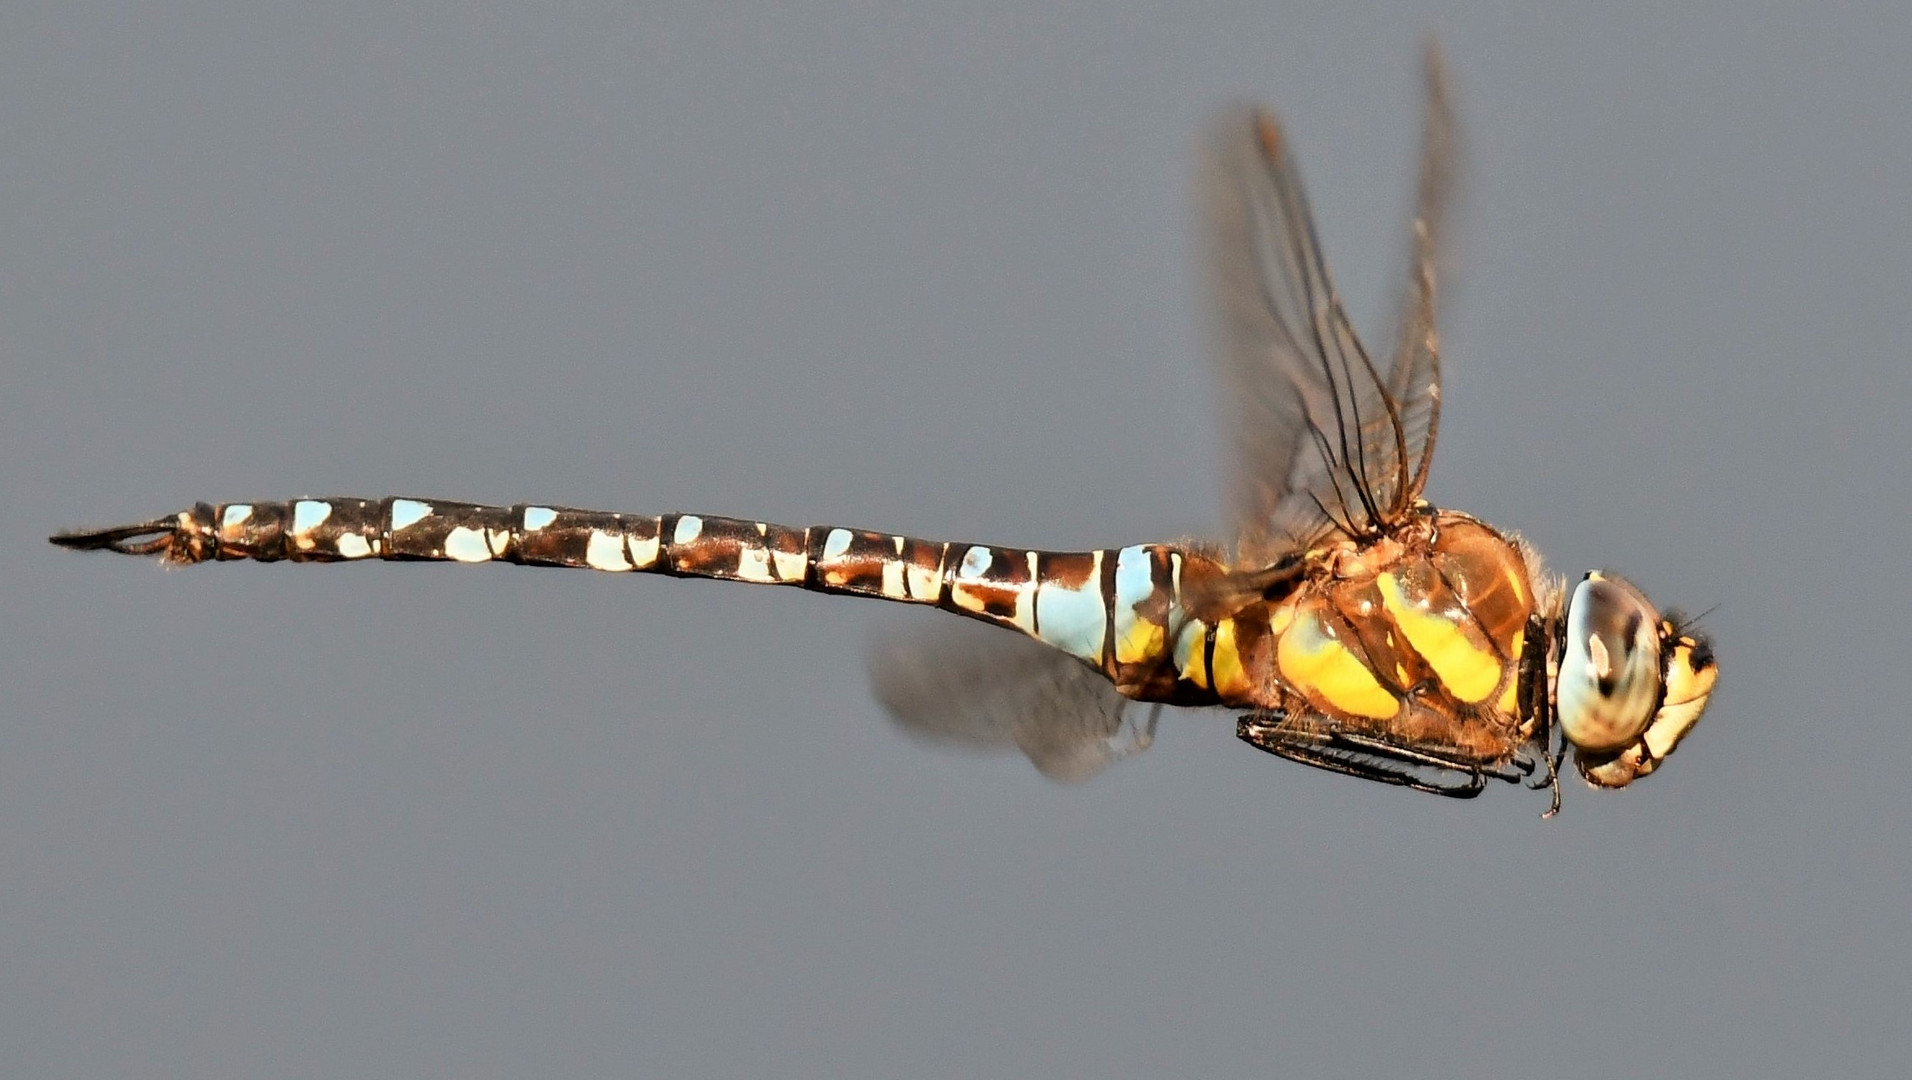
1631 681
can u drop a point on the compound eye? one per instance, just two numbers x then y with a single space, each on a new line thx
1610 675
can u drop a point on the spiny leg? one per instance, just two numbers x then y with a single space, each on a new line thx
1369 759
1408 755
1323 759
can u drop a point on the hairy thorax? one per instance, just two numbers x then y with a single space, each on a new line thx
1418 634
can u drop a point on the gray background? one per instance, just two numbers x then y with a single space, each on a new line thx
933 273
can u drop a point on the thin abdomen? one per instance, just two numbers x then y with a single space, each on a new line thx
1113 608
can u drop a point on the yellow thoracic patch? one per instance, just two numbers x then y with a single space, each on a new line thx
1510 698
1231 681
1314 661
1447 639
1509 703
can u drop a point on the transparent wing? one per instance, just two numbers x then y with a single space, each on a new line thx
978 687
1415 379
1323 442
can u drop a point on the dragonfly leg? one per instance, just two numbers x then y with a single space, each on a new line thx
1382 748
1548 778
1368 758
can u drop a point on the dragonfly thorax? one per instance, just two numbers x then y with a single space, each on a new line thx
1420 632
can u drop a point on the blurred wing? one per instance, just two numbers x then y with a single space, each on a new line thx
981 688
1322 443
1415 380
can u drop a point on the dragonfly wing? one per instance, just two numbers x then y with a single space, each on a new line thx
1415 379
977 687
1321 439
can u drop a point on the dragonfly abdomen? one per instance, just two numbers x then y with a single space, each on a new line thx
1114 609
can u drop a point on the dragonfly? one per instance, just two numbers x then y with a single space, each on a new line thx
1354 627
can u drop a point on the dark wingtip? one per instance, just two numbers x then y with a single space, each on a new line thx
146 538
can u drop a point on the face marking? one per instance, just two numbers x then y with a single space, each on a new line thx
1689 684
467 545
835 544
689 528
408 512
537 517
976 562
353 546
605 551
